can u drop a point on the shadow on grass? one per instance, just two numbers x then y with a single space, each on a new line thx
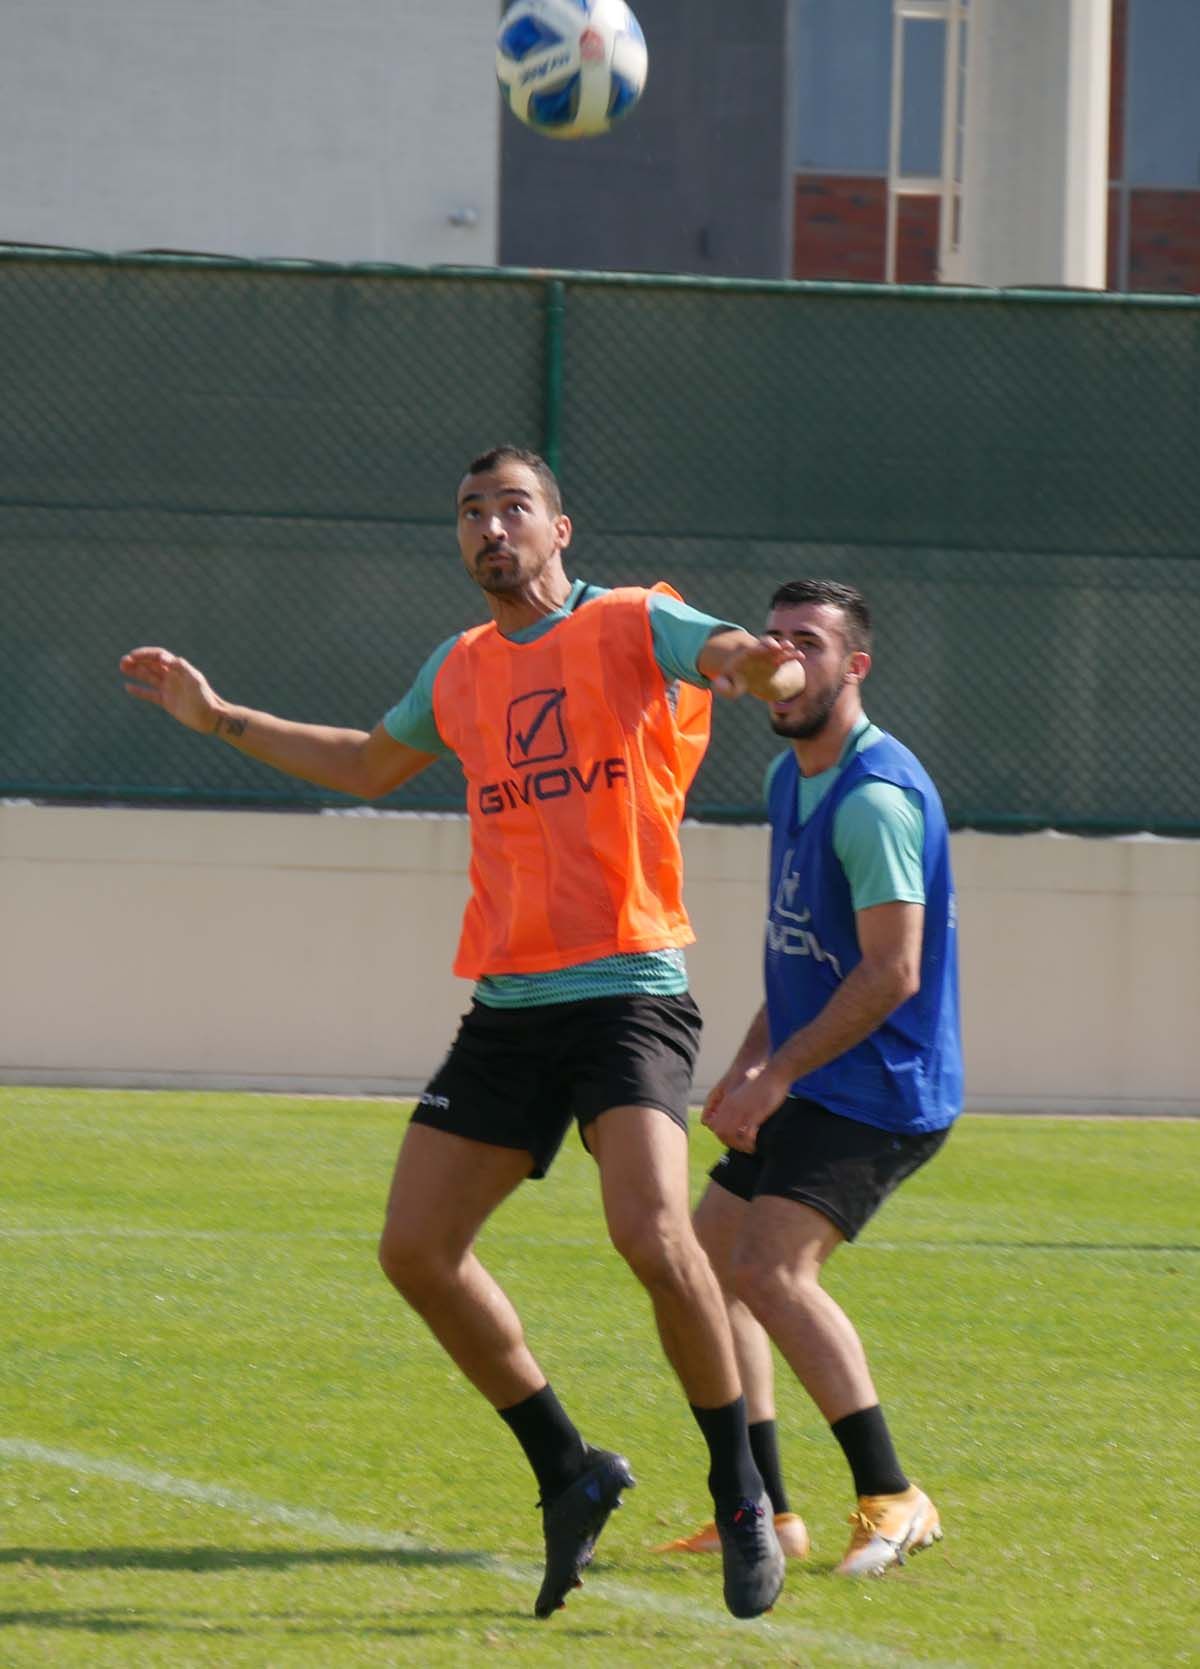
202 1559
1034 1246
415 1625
110 1622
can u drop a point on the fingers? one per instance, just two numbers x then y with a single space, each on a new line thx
155 666
787 680
775 670
170 683
769 668
782 653
144 670
729 1125
147 654
148 666
741 1137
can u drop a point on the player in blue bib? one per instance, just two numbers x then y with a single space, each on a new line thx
850 1074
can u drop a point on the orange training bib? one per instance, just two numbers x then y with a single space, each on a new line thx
578 758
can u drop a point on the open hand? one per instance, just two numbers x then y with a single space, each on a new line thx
175 685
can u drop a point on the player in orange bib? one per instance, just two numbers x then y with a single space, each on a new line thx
579 716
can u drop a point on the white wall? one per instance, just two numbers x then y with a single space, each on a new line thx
313 952
1035 144
347 132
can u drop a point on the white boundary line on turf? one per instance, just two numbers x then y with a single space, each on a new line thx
89 1231
208 1495
256 1507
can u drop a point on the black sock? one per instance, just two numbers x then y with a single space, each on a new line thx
867 1445
764 1446
733 1476
551 1443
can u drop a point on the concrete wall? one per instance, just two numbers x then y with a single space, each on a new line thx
225 949
251 127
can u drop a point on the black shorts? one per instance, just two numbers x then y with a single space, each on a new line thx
840 1167
516 1077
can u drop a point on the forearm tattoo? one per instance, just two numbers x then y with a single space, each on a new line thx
226 725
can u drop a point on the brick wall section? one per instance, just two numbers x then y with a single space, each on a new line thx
840 228
917 240
1164 242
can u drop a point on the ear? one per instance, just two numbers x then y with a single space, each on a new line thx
563 531
858 666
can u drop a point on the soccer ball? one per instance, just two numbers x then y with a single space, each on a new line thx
570 68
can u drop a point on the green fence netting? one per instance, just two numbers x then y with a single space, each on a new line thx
255 465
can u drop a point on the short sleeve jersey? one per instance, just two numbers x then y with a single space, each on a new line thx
679 631
878 830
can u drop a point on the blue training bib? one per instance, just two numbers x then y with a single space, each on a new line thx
907 1076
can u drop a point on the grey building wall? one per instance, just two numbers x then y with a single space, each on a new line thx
357 132
695 180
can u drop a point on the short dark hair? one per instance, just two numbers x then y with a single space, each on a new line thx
855 613
486 462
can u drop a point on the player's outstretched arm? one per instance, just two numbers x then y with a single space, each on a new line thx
365 764
736 663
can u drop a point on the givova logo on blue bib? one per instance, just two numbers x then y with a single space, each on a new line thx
788 932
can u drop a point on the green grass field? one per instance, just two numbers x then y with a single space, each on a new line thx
224 1441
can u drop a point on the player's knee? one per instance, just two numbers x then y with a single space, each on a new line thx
762 1286
657 1249
406 1262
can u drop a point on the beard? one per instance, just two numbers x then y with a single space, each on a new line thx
500 579
516 575
812 723
498 583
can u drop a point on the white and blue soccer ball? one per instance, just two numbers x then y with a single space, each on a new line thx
570 68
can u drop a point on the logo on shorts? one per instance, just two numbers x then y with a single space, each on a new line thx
535 727
441 1102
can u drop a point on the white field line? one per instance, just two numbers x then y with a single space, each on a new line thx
309 1521
208 1495
116 1231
